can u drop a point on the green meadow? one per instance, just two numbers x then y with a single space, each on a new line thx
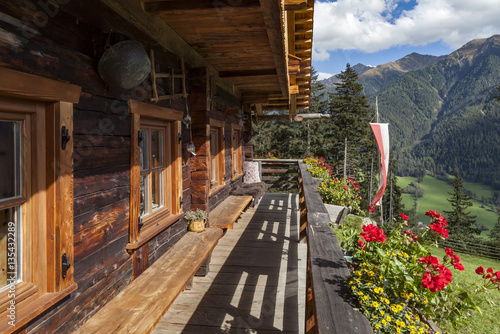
436 195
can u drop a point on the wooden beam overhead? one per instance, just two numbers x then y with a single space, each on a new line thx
295 4
247 73
303 50
156 7
273 20
303 31
303 20
303 41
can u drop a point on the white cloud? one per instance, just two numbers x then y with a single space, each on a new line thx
323 75
369 25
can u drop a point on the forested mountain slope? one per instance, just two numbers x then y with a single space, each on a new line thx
444 117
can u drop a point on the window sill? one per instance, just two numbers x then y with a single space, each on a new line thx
32 310
152 231
216 190
237 177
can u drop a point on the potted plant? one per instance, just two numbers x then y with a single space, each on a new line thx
196 220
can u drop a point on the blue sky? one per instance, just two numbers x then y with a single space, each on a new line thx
374 32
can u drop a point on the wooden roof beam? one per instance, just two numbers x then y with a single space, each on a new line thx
303 41
275 31
295 4
303 31
156 7
247 73
303 20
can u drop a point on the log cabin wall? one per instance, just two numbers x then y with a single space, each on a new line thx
101 160
62 46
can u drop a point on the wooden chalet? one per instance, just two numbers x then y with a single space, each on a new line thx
96 176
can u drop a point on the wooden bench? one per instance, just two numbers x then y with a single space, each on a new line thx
141 305
226 213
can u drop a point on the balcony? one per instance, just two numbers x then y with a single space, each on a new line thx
279 270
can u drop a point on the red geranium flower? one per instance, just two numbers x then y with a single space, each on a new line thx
403 216
480 270
372 209
372 233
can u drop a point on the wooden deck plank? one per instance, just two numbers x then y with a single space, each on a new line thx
254 279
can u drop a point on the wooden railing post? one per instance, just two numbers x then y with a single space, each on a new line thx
328 308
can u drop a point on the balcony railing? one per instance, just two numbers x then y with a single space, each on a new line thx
329 307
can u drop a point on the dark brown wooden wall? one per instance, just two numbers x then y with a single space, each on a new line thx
66 47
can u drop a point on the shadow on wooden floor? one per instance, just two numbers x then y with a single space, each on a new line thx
256 282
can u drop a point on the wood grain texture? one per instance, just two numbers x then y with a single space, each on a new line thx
226 213
17 83
139 307
328 270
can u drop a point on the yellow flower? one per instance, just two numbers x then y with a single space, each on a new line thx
387 301
388 318
360 293
353 288
371 273
377 326
382 312
375 304
399 307
384 322
398 330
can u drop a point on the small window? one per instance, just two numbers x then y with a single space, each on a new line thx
236 152
156 171
153 168
216 154
36 194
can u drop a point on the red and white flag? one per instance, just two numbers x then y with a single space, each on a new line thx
381 132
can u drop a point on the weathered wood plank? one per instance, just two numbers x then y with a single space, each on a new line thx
139 307
228 211
333 313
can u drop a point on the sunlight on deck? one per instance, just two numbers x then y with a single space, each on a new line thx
256 282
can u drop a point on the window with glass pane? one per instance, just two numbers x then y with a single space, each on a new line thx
151 145
10 192
213 155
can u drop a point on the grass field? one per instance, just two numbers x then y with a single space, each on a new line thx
436 198
489 321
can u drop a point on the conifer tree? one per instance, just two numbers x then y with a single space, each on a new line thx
461 222
350 115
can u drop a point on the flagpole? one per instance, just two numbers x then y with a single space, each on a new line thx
378 159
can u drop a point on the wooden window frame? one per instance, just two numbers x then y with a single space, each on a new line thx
145 114
236 153
45 105
219 182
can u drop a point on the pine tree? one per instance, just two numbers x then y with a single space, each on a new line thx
461 222
350 115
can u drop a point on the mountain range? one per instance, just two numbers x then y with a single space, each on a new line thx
442 112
